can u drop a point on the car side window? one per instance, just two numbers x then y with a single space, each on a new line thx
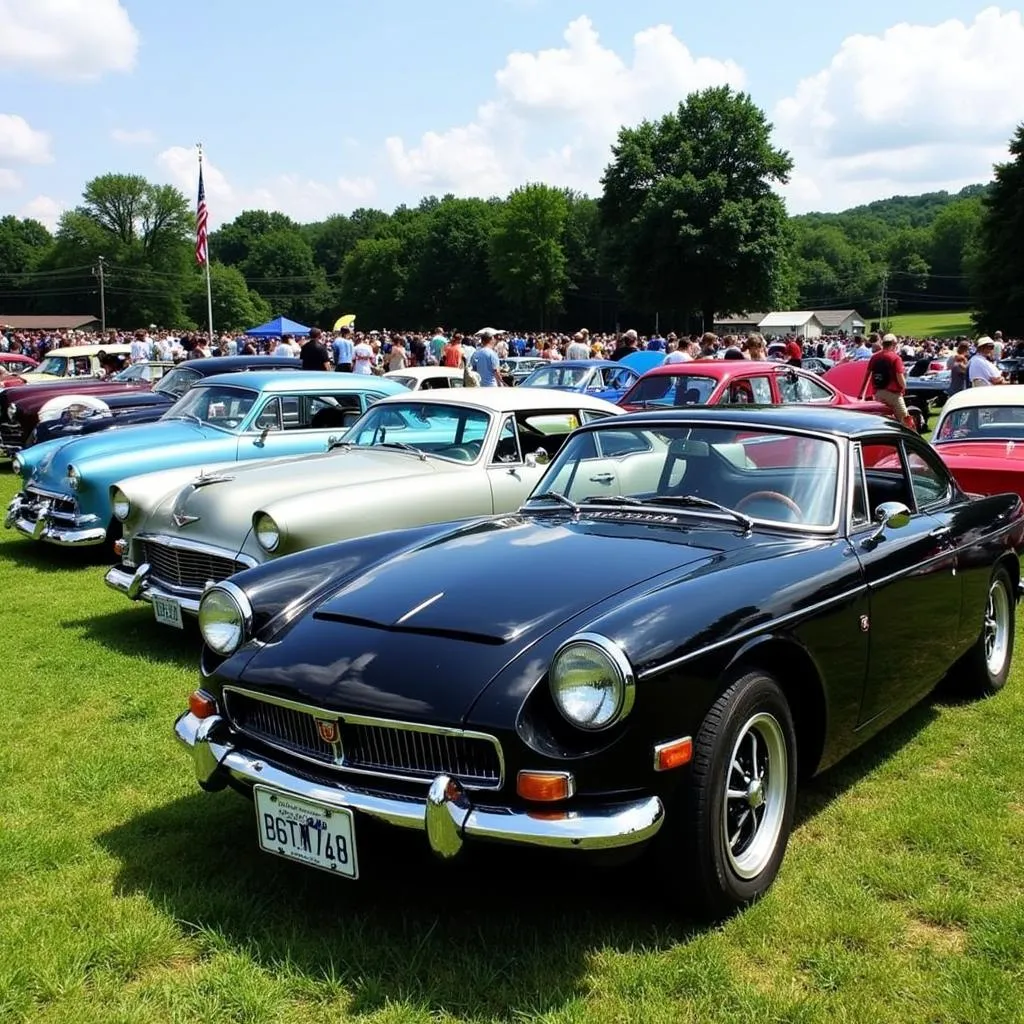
928 478
884 474
507 449
860 514
269 417
326 412
794 387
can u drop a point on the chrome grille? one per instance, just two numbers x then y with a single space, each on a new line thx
11 436
189 570
60 507
376 749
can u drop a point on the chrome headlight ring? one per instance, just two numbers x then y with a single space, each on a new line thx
225 618
268 533
592 682
120 504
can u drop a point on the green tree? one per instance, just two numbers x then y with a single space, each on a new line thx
24 245
374 281
527 252
231 243
688 205
281 268
235 307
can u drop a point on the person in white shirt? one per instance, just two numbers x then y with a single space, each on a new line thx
362 358
677 353
140 348
982 370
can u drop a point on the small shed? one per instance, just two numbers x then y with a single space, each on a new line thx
800 323
50 322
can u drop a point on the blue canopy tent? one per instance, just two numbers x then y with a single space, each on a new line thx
276 328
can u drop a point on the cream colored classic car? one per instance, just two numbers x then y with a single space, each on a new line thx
430 378
408 461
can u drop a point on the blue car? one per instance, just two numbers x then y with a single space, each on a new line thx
601 378
234 417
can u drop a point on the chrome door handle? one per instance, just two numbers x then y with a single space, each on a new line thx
941 533
602 478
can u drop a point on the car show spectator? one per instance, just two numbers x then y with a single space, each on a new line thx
313 355
982 370
344 351
885 368
485 364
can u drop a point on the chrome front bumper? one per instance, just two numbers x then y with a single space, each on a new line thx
138 586
65 531
446 814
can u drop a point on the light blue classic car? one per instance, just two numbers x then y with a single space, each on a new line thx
227 418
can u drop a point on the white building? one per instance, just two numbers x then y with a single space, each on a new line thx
845 321
800 323
738 323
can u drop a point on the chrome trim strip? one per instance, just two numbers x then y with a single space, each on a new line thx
370 720
753 631
604 827
123 581
171 541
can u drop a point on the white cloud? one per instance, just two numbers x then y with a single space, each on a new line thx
67 38
556 113
142 137
44 209
917 108
8 180
20 142
303 199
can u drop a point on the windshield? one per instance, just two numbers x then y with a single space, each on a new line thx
557 377
140 371
53 366
177 381
216 404
982 423
406 382
770 476
669 390
449 431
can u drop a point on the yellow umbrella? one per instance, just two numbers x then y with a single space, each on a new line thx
344 321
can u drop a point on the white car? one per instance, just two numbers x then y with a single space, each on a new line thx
430 378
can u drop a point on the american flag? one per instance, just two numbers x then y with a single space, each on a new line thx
201 218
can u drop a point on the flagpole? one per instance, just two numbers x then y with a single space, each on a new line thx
206 262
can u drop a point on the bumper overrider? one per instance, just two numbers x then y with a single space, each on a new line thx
47 519
139 585
446 813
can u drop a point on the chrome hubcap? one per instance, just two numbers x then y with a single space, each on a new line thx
755 795
996 631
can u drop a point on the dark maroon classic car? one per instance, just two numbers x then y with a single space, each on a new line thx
694 611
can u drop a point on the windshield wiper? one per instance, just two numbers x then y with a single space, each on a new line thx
692 501
186 416
555 496
402 447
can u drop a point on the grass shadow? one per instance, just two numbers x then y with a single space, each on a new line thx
45 557
499 933
132 630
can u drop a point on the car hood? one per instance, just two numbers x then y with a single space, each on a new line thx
120 449
225 508
851 378
424 631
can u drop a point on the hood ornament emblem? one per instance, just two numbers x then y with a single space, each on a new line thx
181 520
205 478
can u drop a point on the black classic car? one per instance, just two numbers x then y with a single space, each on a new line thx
35 413
692 611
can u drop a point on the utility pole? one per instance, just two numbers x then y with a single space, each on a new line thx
883 301
103 297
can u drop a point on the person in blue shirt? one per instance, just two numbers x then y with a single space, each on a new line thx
344 351
485 363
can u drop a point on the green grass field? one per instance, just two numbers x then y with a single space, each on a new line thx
129 896
949 324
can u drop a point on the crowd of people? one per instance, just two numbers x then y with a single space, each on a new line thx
484 354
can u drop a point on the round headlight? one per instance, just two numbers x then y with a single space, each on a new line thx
120 504
12 410
74 478
17 465
268 534
592 682
225 618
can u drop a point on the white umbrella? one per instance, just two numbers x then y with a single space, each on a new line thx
488 332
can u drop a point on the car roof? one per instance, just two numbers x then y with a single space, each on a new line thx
90 350
505 399
1004 394
426 371
718 368
820 418
225 364
271 382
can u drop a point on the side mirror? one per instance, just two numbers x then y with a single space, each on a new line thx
262 439
890 515
538 458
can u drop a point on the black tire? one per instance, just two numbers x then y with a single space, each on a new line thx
726 872
920 418
984 670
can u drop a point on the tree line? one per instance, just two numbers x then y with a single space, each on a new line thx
688 225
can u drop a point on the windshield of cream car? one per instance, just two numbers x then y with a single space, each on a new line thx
982 423
217 405
763 475
449 431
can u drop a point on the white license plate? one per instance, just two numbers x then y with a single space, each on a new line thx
321 836
167 611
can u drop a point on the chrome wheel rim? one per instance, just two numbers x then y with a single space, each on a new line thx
756 783
996 632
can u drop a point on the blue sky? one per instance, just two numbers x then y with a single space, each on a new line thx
317 107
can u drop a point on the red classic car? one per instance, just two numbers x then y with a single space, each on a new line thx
980 437
14 363
852 378
736 382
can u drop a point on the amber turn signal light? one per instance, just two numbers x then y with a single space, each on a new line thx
120 546
202 705
673 754
545 787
